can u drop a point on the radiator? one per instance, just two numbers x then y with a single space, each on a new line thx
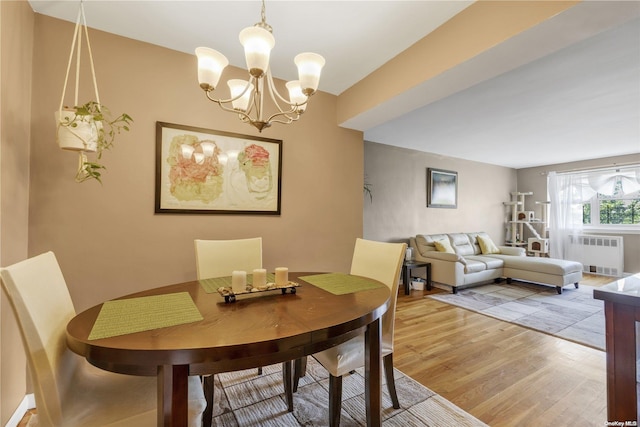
600 254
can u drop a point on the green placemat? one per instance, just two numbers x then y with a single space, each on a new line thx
211 285
340 283
126 316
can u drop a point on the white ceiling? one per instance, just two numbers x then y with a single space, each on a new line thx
566 90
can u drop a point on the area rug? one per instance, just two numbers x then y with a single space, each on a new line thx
573 315
245 398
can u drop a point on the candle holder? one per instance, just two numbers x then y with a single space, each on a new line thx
230 295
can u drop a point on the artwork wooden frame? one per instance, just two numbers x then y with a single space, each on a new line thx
203 171
442 188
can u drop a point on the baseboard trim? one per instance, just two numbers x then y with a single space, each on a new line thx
28 402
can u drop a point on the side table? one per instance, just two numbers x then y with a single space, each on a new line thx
407 266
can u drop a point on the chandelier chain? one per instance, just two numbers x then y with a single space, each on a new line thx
263 21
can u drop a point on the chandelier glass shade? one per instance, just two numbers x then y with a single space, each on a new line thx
247 97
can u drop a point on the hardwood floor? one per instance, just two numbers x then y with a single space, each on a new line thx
503 374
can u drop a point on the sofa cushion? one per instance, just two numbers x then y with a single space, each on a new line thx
487 246
489 262
558 267
446 257
473 265
444 246
477 263
424 242
461 244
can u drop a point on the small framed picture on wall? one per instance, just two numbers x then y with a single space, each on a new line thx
442 188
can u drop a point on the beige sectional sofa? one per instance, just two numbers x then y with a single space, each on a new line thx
468 265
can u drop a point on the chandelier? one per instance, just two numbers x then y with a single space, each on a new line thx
248 96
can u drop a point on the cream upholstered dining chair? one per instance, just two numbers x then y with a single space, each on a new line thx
68 390
382 262
219 258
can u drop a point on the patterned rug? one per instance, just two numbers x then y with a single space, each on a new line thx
573 315
245 398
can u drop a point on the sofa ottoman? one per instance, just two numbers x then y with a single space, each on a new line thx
550 271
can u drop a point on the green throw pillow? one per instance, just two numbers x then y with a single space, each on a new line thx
487 246
444 246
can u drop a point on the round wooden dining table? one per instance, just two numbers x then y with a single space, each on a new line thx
256 330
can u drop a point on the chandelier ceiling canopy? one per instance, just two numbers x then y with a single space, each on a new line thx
247 97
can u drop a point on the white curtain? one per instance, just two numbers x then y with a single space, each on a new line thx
567 193
621 181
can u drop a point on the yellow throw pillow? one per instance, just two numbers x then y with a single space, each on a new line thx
487 246
444 246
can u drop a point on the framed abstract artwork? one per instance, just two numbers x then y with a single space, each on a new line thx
442 188
203 171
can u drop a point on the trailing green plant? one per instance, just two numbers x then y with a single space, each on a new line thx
108 130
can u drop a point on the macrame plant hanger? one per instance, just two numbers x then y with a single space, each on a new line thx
94 128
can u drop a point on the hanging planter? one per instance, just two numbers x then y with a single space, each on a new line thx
87 128
77 132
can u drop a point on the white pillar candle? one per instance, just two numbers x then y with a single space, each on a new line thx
259 277
239 281
282 276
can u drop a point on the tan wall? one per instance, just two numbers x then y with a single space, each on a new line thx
16 38
399 208
535 179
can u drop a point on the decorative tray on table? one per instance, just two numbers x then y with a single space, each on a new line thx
230 296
